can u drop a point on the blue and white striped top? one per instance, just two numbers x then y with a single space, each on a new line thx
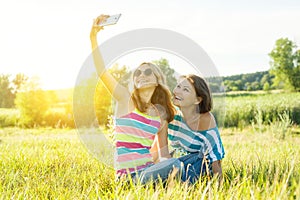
185 140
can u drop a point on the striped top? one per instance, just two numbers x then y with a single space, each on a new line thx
185 140
134 135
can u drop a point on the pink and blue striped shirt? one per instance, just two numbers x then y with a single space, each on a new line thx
134 135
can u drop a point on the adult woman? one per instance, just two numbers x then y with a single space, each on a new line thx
140 115
193 133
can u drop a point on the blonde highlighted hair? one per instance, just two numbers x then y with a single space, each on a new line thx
160 96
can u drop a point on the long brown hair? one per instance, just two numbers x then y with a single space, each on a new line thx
161 94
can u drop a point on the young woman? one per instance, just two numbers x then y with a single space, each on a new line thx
193 133
140 115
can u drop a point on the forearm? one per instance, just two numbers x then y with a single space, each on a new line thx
98 60
163 149
159 147
116 90
154 153
157 154
217 170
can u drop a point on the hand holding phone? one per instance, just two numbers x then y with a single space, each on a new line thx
101 21
113 19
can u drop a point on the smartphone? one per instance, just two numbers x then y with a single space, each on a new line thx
113 19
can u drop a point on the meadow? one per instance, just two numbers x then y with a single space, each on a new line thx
260 133
47 163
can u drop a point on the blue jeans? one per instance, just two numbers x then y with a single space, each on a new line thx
194 167
161 169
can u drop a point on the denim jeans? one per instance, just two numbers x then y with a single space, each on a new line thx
194 167
190 167
161 169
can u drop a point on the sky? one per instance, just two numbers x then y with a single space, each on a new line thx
50 39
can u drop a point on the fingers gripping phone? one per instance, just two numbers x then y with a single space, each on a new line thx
113 19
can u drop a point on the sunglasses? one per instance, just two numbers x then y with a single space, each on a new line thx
147 72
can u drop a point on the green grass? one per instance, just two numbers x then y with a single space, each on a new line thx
48 164
242 109
54 164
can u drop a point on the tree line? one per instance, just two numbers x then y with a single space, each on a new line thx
284 72
35 104
244 82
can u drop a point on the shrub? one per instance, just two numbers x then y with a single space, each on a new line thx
9 117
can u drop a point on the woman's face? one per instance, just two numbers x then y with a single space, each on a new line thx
184 94
144 77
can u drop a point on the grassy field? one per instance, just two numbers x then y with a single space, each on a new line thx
55 164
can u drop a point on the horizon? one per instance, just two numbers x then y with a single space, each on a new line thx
69 88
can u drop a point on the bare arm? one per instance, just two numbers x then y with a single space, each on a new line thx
154 150
207 121
160 146
217 170
119 92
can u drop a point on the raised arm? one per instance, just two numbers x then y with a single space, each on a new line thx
119 92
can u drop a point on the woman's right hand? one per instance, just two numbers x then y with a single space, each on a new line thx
96 28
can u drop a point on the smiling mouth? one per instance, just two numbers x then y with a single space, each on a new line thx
178 98
142 80
144 83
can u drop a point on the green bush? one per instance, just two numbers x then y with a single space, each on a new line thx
9 117
33 105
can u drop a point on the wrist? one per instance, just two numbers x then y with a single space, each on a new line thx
93 36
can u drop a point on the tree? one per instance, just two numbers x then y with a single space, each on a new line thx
19 81
285 64
88 111
103 99
8 89
255 85
121 74
33 103
266 86
163 64
248 86
6 92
